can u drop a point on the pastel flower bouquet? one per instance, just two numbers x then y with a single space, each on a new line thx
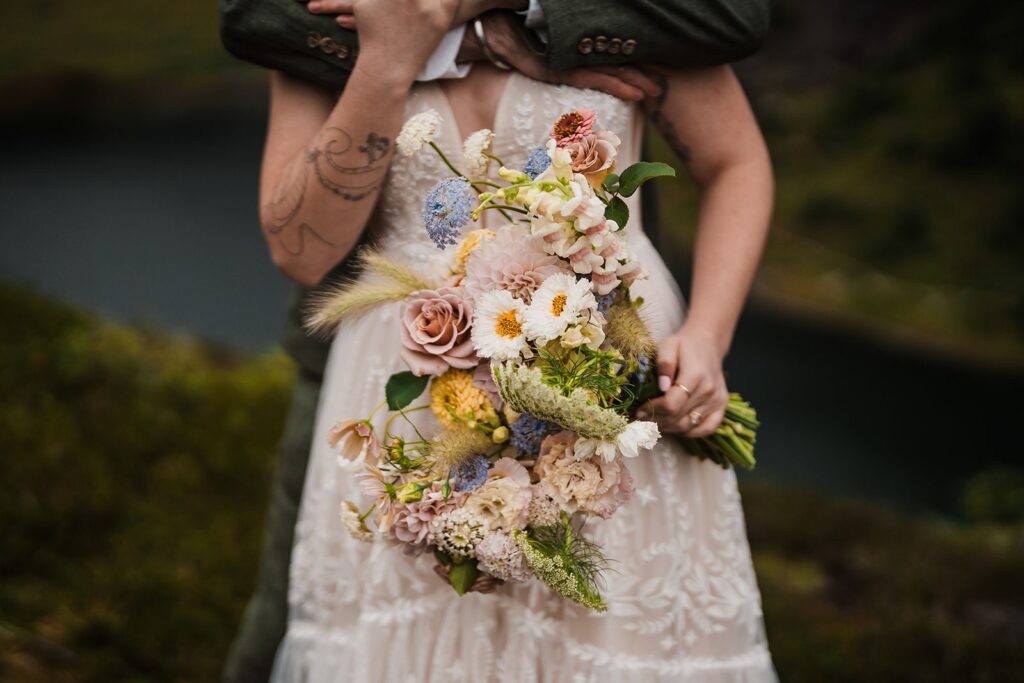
533 356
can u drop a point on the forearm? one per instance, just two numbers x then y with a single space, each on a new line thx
732 226
706 119
319 197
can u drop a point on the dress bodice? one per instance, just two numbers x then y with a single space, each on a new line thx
525 113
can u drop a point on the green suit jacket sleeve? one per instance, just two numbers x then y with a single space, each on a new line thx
282 34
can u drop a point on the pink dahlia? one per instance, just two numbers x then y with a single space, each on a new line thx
512 261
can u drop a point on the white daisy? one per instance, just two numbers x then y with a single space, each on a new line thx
498 327
474 153
559 302
418 131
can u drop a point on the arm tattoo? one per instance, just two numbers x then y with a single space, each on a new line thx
350 174
664 124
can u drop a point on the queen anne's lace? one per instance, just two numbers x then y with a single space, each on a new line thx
524 390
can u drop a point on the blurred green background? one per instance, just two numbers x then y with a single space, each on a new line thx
884 344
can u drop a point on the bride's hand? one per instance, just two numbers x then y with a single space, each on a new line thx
396 37
468 9
689 359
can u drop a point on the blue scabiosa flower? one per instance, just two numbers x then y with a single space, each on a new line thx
643 366
447 210
471 474
605 301
528 431
537 162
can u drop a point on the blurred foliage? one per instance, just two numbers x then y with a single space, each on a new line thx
897 132
135 474
111 40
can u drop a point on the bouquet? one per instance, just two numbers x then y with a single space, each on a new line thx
531 355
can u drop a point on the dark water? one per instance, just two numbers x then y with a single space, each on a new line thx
158 224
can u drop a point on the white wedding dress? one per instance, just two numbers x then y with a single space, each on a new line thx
683 604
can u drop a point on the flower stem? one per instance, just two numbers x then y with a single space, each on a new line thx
445 160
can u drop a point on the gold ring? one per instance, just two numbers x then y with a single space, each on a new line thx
683 387
695 418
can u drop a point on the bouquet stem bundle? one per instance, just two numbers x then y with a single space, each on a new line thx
733 441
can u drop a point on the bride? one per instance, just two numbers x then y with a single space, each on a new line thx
688 607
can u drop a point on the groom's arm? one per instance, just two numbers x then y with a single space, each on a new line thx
678 33
284 35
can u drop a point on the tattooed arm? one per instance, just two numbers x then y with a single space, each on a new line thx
326 157
705 117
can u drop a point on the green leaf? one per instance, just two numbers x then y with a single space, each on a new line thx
639 173
403 388
463 575
617 211
611 183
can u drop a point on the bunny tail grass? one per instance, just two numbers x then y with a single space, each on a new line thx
381 280
627 331
374 262
329 308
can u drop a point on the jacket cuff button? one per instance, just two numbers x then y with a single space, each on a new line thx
600 44
586 46
628 46
615 46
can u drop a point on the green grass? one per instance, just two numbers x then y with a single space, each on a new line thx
135 474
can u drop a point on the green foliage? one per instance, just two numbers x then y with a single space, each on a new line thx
462 575
584 368
135 476
639 173
617 211
403 388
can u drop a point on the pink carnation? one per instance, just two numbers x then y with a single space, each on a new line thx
410 522
590 485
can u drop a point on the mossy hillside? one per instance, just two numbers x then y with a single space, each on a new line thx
136 468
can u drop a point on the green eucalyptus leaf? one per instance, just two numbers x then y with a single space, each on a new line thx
639 173
403 388
617 211
462 576
611 183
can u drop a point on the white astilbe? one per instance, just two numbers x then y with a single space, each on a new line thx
524 390
474 153
418 131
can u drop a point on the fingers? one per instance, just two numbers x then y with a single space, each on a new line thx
599 80
330 6
346 21
644 82
709 422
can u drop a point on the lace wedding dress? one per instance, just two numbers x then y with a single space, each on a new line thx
684 603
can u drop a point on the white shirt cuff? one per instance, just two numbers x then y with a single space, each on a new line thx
536 21
442 63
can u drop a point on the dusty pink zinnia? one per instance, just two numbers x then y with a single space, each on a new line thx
436 328
511 261
572 127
